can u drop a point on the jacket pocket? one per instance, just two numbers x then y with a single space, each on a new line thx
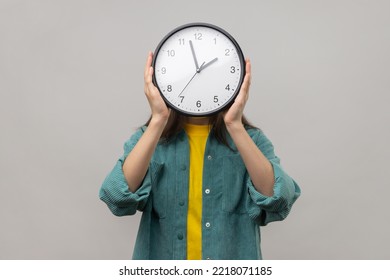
234 189
159 194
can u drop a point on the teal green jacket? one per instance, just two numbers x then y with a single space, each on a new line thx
233 210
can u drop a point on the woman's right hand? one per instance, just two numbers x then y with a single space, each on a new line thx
137 162
160 111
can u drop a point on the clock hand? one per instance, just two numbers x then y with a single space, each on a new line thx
194 56
207 64
190 80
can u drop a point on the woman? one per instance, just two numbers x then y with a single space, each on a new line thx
204 185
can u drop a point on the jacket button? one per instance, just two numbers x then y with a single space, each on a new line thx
181 203
207 224
180 236
183 167
209 157
207 191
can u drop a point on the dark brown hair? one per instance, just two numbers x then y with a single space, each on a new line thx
176 123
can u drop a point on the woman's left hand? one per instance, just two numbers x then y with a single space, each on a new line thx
258 166
233 116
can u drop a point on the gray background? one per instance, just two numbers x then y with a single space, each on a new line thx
71 85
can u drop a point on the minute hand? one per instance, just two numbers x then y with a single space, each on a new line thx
191 80
207 64
194 56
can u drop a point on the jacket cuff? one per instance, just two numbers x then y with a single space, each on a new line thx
285 194
116 194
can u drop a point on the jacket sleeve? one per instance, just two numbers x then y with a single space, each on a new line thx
265 209
115 191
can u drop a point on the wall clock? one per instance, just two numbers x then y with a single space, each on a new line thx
198 69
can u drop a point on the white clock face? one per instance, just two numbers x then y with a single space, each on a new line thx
198 69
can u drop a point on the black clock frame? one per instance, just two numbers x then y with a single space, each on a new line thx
240 55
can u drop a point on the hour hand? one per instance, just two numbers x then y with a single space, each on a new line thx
194 56
208 64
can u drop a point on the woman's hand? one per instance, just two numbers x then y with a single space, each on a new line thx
233 116
160 111
259 167
137 162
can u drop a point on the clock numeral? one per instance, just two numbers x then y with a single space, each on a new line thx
232 69
215 41
169 88
171 53
163 70
215 99
181 41
227 52
182 98
198 36
198 104
227 87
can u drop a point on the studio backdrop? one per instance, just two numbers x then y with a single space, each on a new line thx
71 94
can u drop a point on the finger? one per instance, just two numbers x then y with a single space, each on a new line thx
148 75
148 64
149 78
248 66
248 75
244 92
151 89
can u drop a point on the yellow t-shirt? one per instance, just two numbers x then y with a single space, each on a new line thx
197 136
